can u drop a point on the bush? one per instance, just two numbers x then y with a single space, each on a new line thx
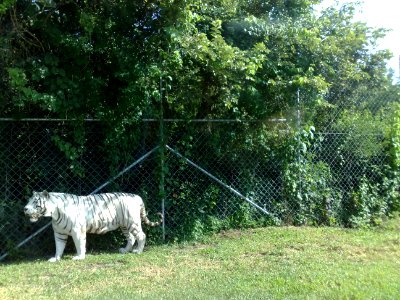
369 205
309 193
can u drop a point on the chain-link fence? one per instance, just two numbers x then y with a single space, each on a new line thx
205 175
38 155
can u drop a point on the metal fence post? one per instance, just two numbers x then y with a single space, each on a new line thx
162 160
298 128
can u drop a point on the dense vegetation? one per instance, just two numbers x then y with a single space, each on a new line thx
226 59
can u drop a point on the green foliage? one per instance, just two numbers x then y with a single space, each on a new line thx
363 133
309 193
395 138
6 5
72 142
369 206
230 59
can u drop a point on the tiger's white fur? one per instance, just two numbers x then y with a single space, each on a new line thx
77 215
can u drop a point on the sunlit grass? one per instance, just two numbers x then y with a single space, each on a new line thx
265 263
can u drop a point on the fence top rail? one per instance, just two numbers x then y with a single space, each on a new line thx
44 120
276 120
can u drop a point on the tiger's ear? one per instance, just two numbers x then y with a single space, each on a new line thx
46 194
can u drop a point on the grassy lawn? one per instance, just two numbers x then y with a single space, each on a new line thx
265 263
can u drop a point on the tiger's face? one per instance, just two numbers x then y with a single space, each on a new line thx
36 207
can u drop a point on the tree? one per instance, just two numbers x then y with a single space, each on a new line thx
231 58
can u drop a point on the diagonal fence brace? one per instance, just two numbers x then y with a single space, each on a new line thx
217 180
94 192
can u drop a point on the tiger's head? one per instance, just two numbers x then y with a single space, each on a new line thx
36 207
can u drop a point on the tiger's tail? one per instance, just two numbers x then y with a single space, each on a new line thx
143 216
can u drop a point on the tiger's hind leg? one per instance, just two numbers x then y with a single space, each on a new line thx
141 240
130 241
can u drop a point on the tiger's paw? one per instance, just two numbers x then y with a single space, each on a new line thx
54 259
123 251
78 257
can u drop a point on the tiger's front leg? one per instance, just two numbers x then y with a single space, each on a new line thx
79 237
60 240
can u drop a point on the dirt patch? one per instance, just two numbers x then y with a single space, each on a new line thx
255 254
232 234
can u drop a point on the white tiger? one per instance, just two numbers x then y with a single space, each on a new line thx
77 215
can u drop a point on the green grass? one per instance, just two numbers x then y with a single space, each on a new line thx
265 263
